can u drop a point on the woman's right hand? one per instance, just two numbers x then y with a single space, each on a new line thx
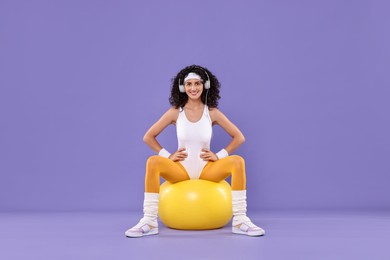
179 155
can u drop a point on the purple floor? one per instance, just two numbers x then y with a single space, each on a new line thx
309 235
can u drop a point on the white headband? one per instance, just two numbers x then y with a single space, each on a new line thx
192 75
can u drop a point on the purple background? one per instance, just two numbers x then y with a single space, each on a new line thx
306 81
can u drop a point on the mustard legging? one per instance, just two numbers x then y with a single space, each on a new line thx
158 166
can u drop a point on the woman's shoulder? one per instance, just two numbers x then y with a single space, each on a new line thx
174 110
172 113
214 110
215 114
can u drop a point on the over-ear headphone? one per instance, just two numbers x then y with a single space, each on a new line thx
206 84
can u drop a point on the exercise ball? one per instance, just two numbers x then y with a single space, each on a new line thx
195 204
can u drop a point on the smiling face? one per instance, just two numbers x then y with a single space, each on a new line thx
194 88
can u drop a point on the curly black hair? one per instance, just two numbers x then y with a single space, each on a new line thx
178 99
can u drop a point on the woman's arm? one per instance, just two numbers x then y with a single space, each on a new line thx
150 136
237 137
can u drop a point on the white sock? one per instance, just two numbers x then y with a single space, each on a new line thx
239 207
151 208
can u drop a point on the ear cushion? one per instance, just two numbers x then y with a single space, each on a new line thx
181 89
207 84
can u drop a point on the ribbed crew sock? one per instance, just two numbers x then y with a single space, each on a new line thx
150 209
239 207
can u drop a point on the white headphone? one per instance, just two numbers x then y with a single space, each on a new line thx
206 84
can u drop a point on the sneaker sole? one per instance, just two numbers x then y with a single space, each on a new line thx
252 234
154 231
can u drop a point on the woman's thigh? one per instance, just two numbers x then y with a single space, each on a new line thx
219 170
216 171
167 169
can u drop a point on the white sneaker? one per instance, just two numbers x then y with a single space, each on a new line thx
142 229
244 226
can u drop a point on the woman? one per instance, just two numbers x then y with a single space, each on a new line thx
194 100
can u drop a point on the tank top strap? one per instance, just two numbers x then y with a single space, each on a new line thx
206 112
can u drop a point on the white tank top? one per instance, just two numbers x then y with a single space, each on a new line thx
194 137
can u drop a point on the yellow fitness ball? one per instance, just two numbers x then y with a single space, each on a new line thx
195 204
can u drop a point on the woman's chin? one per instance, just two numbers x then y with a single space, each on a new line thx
194 97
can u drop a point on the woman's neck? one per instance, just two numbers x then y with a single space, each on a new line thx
194 104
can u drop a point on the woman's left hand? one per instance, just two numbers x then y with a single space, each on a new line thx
208 155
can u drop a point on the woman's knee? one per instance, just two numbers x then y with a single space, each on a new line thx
154 160
237 160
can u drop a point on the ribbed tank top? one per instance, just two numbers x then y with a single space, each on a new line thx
194 137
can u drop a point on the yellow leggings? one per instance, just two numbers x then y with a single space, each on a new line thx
158 166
